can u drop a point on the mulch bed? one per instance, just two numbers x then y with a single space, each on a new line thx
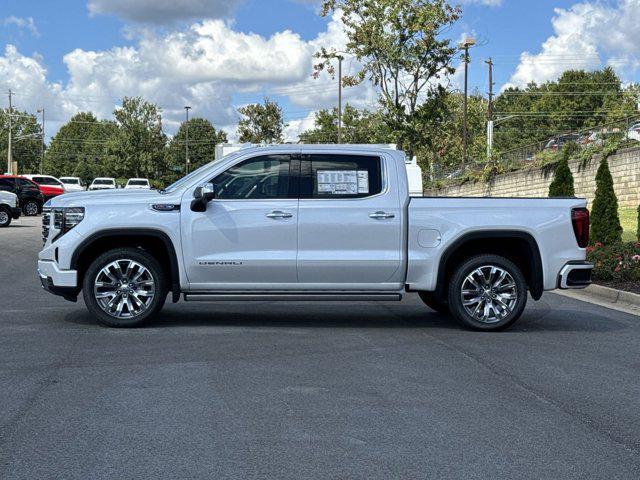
627 286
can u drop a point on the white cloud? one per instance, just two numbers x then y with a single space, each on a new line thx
585 36
163 11
23 23
208 66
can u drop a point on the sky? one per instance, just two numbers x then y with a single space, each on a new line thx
217 55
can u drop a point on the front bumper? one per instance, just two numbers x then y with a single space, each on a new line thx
16 212
58 282
575 275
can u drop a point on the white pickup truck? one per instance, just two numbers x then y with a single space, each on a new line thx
309 222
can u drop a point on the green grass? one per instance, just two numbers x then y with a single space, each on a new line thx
629 221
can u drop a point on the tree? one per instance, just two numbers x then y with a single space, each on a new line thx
26 142
79 147
261 123
403 51
562 184
137 148
203 138
605 222
358 126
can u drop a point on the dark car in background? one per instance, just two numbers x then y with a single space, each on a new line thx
556 143
29 194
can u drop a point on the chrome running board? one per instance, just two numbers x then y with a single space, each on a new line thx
290 297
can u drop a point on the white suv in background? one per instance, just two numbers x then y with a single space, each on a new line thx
73 184
138 183
103 183
47 180
9 208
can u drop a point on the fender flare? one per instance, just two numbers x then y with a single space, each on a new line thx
125 232
536 285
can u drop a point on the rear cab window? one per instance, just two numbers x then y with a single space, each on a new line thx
329 176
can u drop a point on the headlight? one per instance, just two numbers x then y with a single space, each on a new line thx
61 219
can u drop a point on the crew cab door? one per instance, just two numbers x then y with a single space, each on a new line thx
350 223
247 238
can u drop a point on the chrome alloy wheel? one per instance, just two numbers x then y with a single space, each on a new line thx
124 288
4 217
489 294
31 208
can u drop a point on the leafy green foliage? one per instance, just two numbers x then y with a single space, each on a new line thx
577 100
203 138
358 126
78 148
562 184
617 262
261 123
137 147
27 140
403 51
605 222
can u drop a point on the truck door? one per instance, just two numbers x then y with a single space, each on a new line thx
247 237
349 225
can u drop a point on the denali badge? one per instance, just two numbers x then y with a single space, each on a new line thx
221 264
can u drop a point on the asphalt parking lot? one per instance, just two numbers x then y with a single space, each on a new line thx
296 390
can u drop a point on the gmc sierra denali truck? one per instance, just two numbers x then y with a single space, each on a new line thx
309 222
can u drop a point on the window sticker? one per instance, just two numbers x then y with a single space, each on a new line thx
342 182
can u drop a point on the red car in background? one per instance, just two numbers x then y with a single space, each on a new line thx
49 186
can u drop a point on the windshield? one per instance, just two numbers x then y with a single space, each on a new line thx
138 182
184 180
70 181
103 182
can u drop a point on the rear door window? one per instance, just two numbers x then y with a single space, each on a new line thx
340 176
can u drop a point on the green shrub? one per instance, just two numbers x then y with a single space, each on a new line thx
562 184
618 262
605 222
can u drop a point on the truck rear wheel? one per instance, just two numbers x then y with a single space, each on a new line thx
488 293
124 287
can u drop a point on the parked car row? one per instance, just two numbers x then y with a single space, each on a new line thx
32 191
597 137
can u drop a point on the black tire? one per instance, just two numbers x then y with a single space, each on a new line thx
5 217
146 260
434 303
514 298
31 208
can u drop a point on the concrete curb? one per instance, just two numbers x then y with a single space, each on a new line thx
607 297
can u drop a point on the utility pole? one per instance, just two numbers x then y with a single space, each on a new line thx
469 42
186 143
490 111
9 153
340 58
42 146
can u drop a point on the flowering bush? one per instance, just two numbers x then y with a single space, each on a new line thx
618 262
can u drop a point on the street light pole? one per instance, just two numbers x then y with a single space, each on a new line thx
186 143
469 42
42 146
340 58
9 149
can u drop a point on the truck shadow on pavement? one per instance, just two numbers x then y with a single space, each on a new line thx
274 315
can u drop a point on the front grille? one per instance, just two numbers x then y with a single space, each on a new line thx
46 224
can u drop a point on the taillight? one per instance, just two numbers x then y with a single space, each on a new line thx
580 221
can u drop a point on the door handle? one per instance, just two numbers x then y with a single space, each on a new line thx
279 214
381 215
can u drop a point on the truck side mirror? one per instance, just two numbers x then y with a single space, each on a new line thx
203 195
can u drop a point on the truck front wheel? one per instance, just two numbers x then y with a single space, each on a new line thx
487 292
124 287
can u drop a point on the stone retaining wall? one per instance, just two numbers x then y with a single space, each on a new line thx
624 166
